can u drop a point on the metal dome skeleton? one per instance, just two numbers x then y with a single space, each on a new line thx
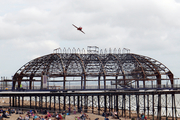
113 69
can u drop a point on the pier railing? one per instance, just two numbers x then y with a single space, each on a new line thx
97 88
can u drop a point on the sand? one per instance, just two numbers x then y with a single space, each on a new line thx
68 117
4 102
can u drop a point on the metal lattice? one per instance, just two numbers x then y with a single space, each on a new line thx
103 70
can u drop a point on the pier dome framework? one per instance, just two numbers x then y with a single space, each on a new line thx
102 71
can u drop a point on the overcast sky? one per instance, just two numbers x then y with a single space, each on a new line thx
33 28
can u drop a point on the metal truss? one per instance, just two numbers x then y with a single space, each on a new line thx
104 70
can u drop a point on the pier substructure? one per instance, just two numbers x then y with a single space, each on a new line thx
154 104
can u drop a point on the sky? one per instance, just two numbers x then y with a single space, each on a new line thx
33 28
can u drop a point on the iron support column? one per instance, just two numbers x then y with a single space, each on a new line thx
148 104
175 107
78 103
74 100
64 108
22 101
69 104
129 106
46 101
13 101
92 104
144 105
18 101
105 107
137 105
54 102
59 98
124 99
117 105
30 101
50 102
114 103
98 105
122 106
111 103
86 103
10 101
153 105
166 106
172 106
81 103
39 102
36 102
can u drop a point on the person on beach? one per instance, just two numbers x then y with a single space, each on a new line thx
145 118
35 111
32 113
69 110
48 114
64 116
45 112
41 118
103 114
13 111
29 114
4 114
106 118
7 113
74 110
26 117
142 116
1 111
35 116
63 112
56 114
83 116
76 118
87 116
60 116
80 109
9 109
41 111
20 117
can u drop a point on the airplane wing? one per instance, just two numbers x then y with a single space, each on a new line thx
74 26
82 31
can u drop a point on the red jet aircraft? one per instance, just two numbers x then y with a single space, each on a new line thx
78 28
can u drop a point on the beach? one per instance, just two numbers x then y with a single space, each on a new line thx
68 117
4 102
